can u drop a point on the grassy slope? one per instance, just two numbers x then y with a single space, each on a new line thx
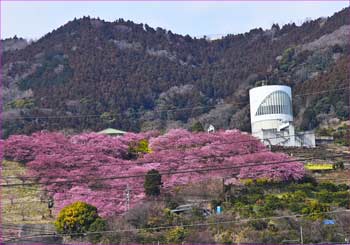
26 207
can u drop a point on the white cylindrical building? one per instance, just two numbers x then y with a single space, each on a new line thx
271 113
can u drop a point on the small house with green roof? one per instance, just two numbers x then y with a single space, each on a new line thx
112 132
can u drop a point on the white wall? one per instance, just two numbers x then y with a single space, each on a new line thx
256 97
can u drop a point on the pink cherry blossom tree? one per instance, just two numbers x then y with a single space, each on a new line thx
94 168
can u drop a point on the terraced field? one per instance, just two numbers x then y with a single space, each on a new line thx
335 176
21 204
21 207
323 156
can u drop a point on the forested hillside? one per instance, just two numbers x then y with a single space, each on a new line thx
91 74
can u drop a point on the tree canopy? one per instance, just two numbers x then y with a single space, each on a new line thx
153 182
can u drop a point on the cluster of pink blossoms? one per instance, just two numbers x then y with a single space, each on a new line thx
96 168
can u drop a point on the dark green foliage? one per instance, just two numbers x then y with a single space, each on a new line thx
306 188
97 226
176 235
343 187
186 99
146 237
308 179
264 199
215 203
153 182
197 127
309 120
171 201
338 165
54 71
328 186
259 224
325 196
315 210
325 131
341 136
287 59
256 200
272 202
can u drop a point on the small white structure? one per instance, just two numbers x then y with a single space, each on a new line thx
271 115
112 132
211 129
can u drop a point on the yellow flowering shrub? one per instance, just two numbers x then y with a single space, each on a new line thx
77 218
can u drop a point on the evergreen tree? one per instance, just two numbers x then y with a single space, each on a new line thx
153 181
197 127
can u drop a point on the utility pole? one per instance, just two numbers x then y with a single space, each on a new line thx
223 186
127 198
301 235
50 204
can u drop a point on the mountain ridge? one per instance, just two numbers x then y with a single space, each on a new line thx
136 71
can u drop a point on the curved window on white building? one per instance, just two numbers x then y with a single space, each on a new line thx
277 102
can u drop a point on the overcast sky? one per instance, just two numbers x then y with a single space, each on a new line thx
34 19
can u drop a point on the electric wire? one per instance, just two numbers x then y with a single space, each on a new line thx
188 225
133 189
158 111
169 172
207 144
141 163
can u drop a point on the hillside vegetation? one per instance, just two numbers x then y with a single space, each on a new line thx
93 74
86 178
98 168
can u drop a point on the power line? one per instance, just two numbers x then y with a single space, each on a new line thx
10 226
131 189
215 157
118 215
163 198
189 225
142 188
176 161
138 163
167 173
208 143
322 92
175 172
119 189
71 194
114 114
119 199
158 111
284 216
92 175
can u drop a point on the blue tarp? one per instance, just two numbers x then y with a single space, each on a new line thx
328 222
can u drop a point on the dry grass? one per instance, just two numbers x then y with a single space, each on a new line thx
21 204
337 176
